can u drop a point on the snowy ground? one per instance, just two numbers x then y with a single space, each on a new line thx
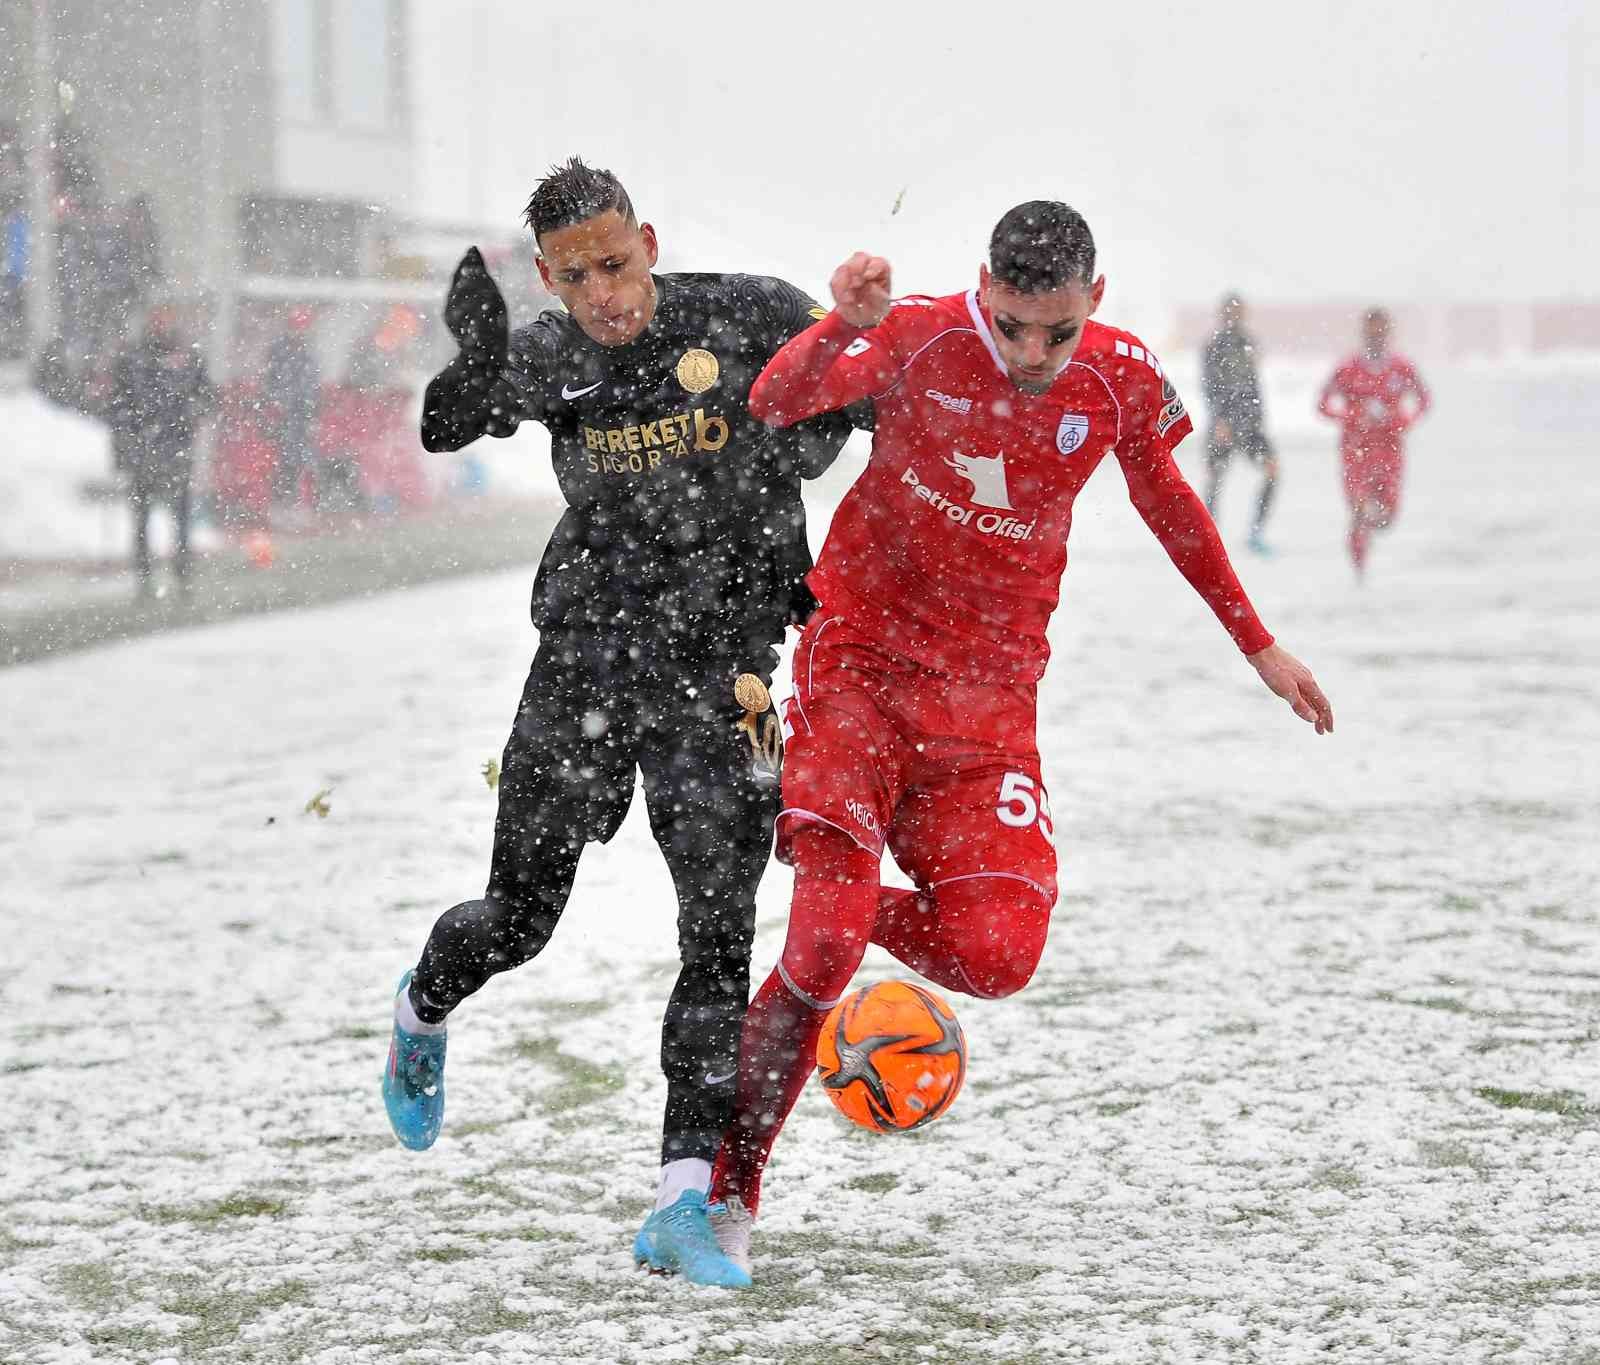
1310 1071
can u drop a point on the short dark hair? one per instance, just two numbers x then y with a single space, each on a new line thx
575 193
1041 245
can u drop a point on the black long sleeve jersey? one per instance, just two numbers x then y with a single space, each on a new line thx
1231 386
684 517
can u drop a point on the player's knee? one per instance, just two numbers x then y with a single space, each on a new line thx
1006 963
1007 922
477 939
716 965
1005 973
518 925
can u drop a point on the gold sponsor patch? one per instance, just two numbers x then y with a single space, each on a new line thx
637 449
698 370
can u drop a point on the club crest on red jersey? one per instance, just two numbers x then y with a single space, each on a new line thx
1072 432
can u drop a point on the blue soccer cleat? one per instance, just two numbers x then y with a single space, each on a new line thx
679 1240
413 1084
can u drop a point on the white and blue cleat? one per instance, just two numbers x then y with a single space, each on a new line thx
679 1240
413 1084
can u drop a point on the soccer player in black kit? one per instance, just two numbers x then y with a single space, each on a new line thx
675 568
1232 389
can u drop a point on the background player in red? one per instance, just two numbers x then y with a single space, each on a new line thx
1374 396
913 718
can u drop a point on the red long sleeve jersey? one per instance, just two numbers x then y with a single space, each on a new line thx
953 540
1374 400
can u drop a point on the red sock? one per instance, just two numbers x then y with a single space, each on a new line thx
835 901
776 1056
1358 545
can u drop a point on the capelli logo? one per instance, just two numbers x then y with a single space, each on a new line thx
948 402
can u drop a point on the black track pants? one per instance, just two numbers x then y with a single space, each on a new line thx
594 711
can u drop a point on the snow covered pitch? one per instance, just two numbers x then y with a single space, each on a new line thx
1310 1071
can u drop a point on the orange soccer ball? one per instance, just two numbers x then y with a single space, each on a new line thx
892 1056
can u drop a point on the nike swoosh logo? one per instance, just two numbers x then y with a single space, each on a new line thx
718 1080
570 394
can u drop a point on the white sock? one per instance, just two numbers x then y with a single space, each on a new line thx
406 1017
687 1173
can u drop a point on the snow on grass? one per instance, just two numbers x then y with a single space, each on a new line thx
1310 1070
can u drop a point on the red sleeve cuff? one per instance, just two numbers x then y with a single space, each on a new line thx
1251 636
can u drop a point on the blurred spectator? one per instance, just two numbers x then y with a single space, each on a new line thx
14 244
80 271
360 415
368 434
367 365
346 434
293 383
381 356
159 395
243 455
94 389
132 262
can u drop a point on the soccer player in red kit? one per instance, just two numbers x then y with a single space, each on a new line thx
913 716
1374 396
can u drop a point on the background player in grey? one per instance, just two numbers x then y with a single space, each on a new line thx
158 396
1232 391
675 568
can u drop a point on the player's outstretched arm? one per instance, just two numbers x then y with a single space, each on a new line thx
1421 399
469 397
807 448
1292 681
838 362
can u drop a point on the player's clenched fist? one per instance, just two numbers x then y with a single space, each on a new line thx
861 290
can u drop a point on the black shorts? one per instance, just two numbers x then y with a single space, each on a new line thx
594 710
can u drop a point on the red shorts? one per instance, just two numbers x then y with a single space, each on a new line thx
942 771
1372 475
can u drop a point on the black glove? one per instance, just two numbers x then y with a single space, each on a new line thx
475 313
